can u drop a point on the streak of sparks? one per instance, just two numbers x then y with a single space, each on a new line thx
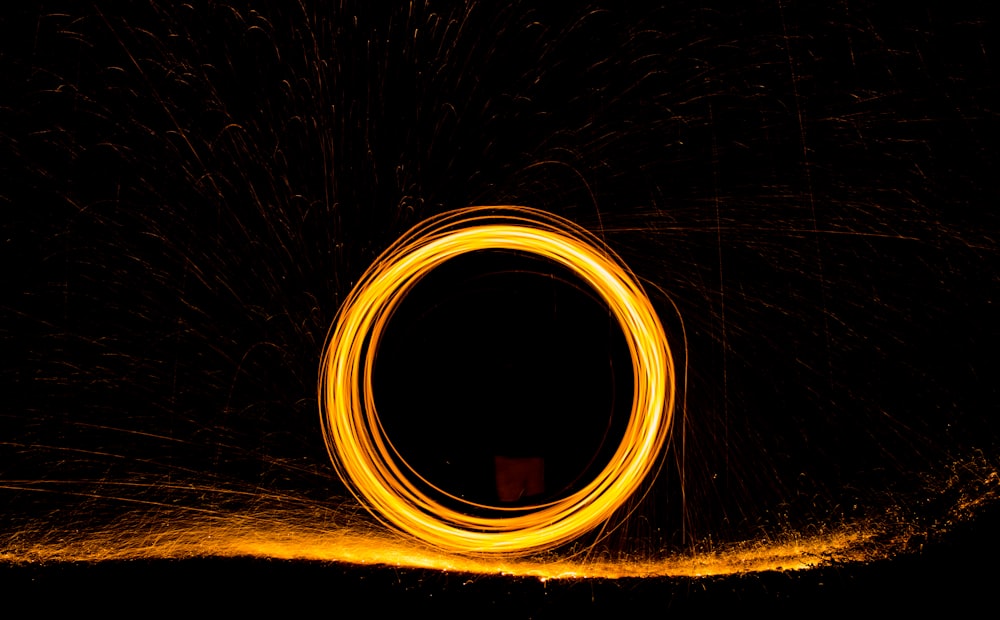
287 527
283 534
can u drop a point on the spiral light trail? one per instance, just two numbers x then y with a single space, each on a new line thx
379 476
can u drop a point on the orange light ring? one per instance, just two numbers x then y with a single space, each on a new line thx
380 478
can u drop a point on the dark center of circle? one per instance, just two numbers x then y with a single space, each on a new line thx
502 378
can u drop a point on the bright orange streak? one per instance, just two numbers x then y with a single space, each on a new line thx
314 534
381 479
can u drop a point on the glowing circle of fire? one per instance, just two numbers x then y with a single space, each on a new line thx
379 477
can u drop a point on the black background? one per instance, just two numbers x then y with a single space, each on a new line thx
809 194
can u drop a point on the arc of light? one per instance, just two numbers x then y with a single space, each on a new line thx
380 478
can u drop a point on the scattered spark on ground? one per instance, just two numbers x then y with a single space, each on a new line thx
288 528
286 536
